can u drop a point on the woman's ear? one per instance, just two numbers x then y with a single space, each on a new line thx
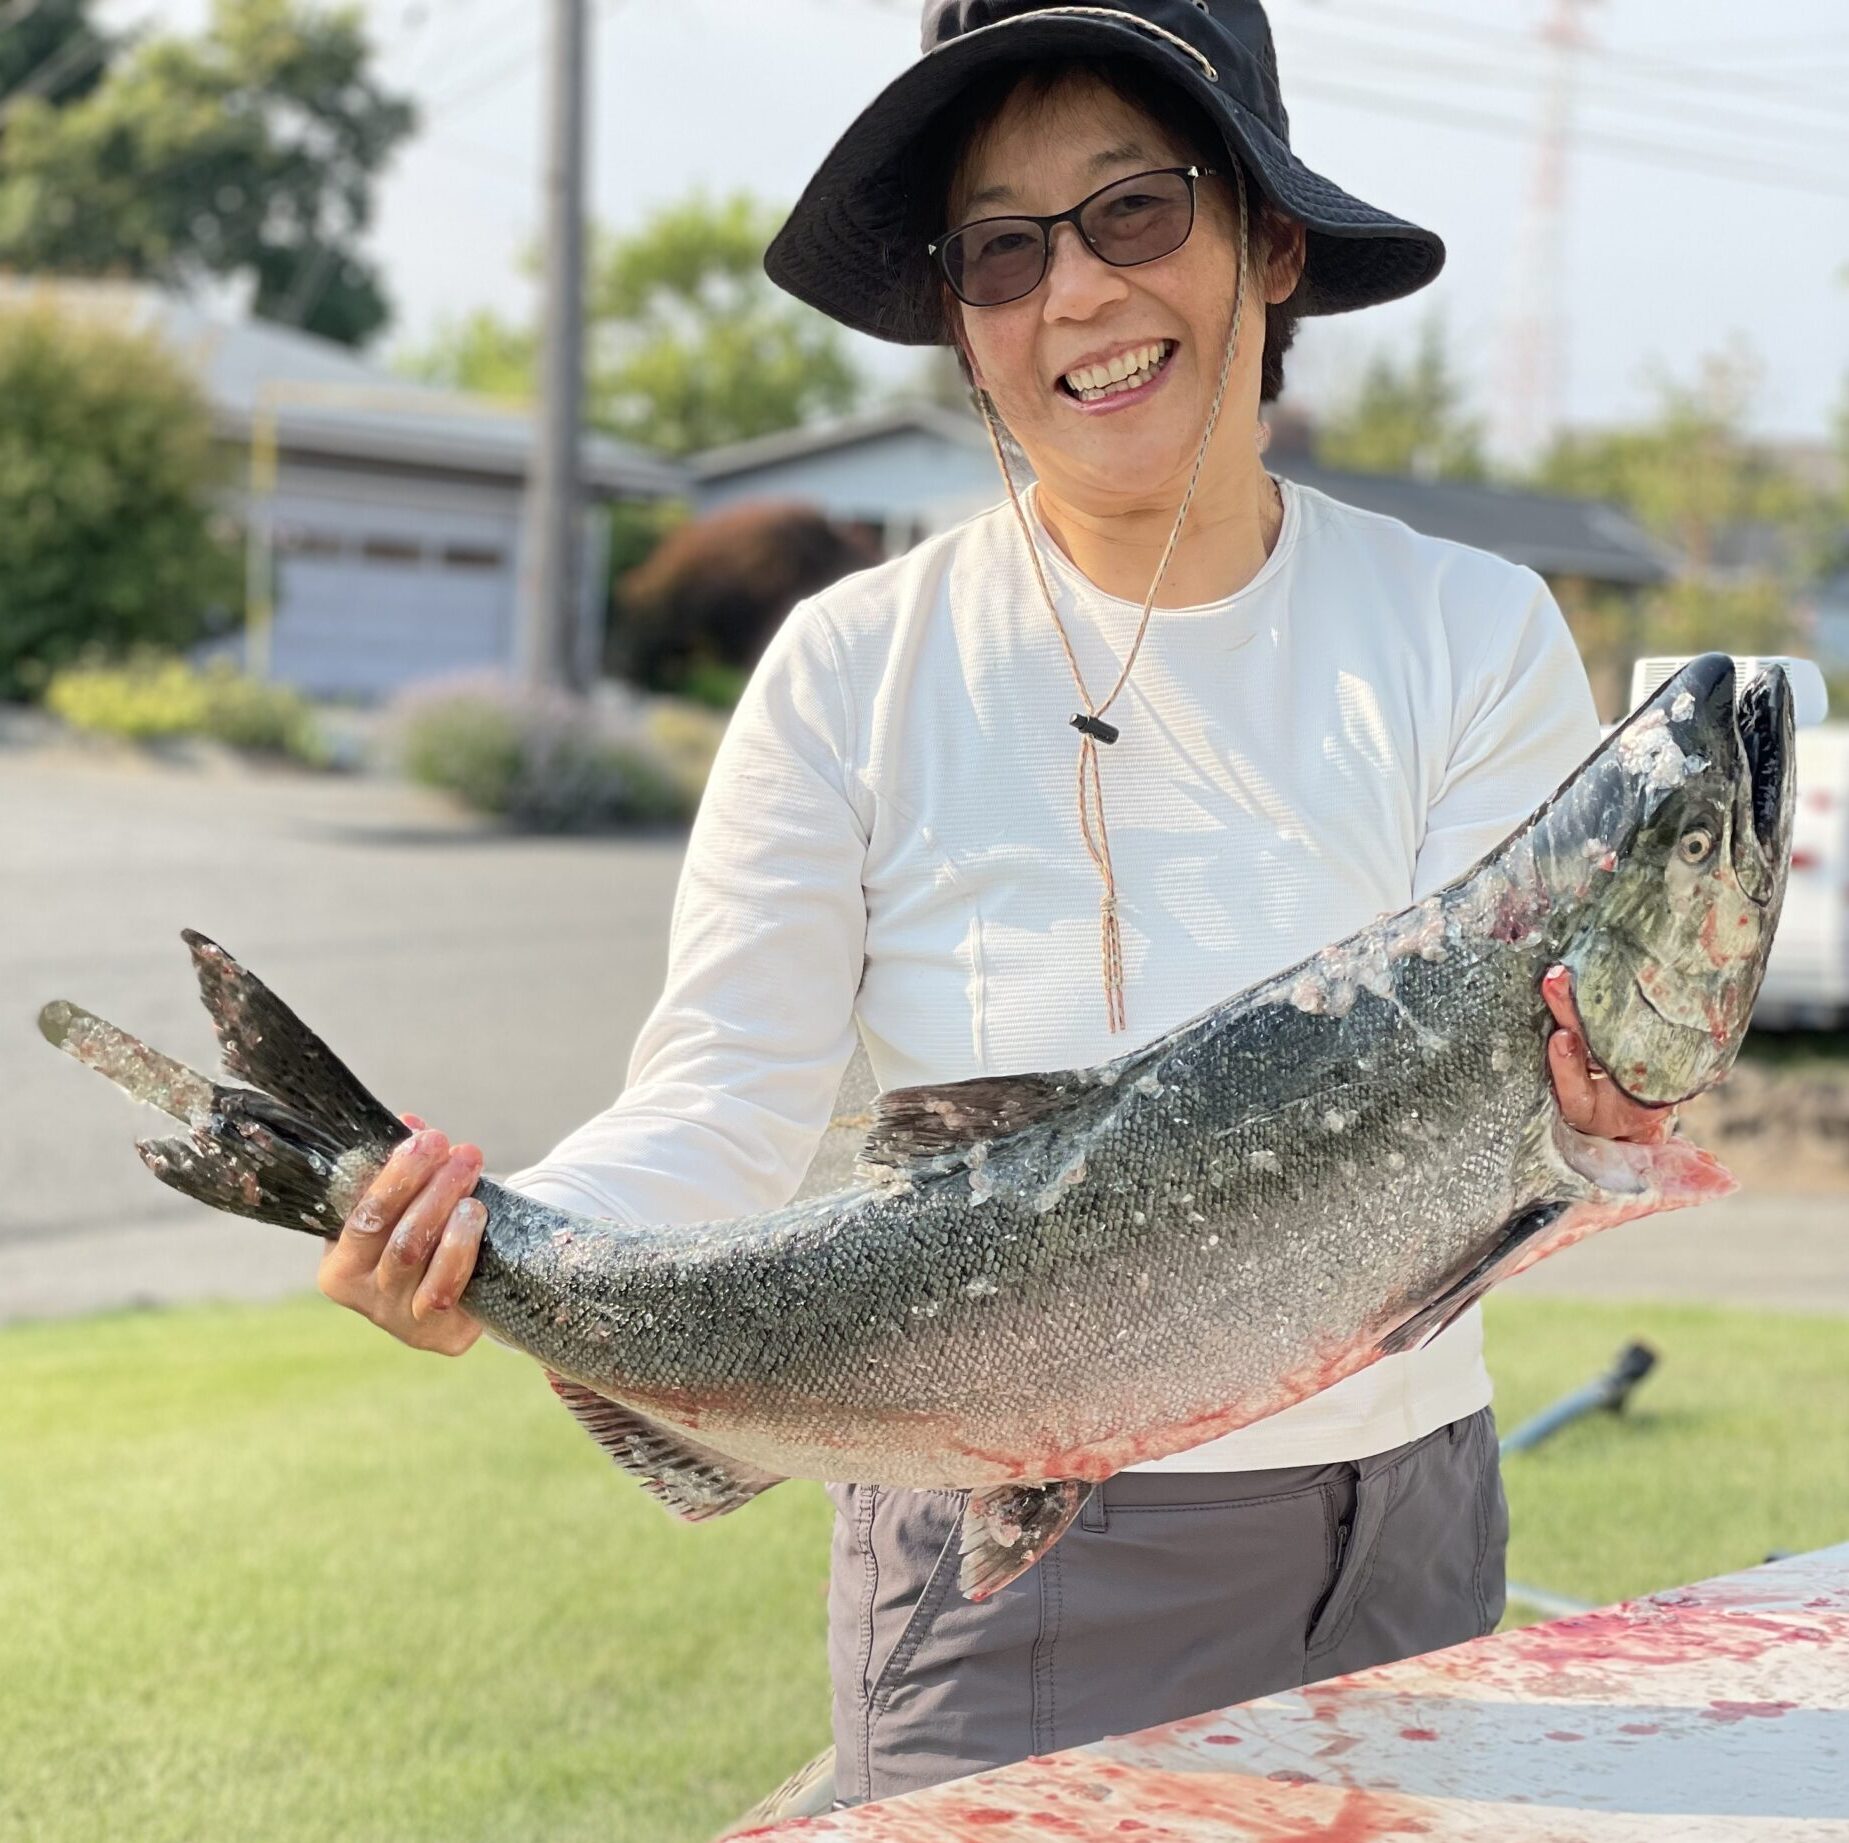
1286 251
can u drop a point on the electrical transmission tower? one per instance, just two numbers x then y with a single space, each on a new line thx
1532 402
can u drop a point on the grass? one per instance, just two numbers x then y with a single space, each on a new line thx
1736 1445
265 1574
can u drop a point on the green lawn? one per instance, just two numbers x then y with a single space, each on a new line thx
263 1574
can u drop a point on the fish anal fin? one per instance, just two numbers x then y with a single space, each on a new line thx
693 1481
1007 1528
911 1125
1518 1237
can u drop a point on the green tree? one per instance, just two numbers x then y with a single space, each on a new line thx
1691 474
251 150
48 48
692 343
1407 417
689 342
107 469
479 352
1694 477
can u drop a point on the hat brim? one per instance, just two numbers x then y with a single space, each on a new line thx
850 248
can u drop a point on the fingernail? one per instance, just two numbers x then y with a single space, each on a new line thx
469 1215
365 1220
407 1245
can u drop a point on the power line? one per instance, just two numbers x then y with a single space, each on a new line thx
73 58
1665 70
1806 45
488 80
1652 152
1528 78
487 30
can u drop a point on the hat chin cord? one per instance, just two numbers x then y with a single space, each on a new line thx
1090 721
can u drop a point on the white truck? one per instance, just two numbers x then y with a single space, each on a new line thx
1807 976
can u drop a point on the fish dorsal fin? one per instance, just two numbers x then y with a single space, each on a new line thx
915 1125
694 1481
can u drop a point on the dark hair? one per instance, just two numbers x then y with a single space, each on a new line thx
941 146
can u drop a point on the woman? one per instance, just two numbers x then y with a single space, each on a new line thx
1297 714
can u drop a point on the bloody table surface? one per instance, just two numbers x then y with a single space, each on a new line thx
1717 1711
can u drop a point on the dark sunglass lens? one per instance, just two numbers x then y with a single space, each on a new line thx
995 261
1141 218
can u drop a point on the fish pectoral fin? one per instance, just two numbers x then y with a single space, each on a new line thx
694 1481
1007 1528
1518 1237
911 1125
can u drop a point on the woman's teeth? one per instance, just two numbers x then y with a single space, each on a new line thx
1093 383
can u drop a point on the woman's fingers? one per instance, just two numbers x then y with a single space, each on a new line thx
363 1234
1557 994
408 1246
1566 1061
414 1240
1589 1100
453 1263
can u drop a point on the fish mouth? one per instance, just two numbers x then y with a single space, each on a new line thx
1763 718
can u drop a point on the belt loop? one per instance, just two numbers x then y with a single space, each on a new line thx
1092 1514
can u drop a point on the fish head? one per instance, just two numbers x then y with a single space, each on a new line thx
1685 816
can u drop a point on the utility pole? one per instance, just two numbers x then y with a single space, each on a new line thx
549 654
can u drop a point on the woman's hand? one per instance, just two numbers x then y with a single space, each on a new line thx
408 1246
1589 1099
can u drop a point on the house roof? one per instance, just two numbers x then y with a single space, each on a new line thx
331 403
1553 533
896 418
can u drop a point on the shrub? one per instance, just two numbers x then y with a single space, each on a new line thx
150 696
685 737
107 529
542 761
713 590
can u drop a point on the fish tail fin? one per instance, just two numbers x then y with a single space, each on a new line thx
295 1148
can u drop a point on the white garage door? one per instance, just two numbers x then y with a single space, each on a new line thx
374 595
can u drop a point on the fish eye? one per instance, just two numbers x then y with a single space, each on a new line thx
1695 845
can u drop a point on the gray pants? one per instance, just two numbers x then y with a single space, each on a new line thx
1173 1594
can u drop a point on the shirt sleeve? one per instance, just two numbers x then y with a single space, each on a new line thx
733 1075
1524 720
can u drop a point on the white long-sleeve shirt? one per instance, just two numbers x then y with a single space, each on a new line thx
889 842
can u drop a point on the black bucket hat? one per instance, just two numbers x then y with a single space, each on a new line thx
852 249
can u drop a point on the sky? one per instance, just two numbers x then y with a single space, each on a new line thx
1705 195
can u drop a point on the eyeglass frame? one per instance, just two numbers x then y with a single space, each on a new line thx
1046 223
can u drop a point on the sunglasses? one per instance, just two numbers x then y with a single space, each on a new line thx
989 261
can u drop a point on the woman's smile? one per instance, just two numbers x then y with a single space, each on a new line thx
1116 396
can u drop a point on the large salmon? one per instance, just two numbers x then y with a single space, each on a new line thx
1038 1279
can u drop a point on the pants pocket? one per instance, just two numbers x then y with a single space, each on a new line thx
902 1647
927 1685
1493 1515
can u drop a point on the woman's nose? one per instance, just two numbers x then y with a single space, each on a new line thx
1078 279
